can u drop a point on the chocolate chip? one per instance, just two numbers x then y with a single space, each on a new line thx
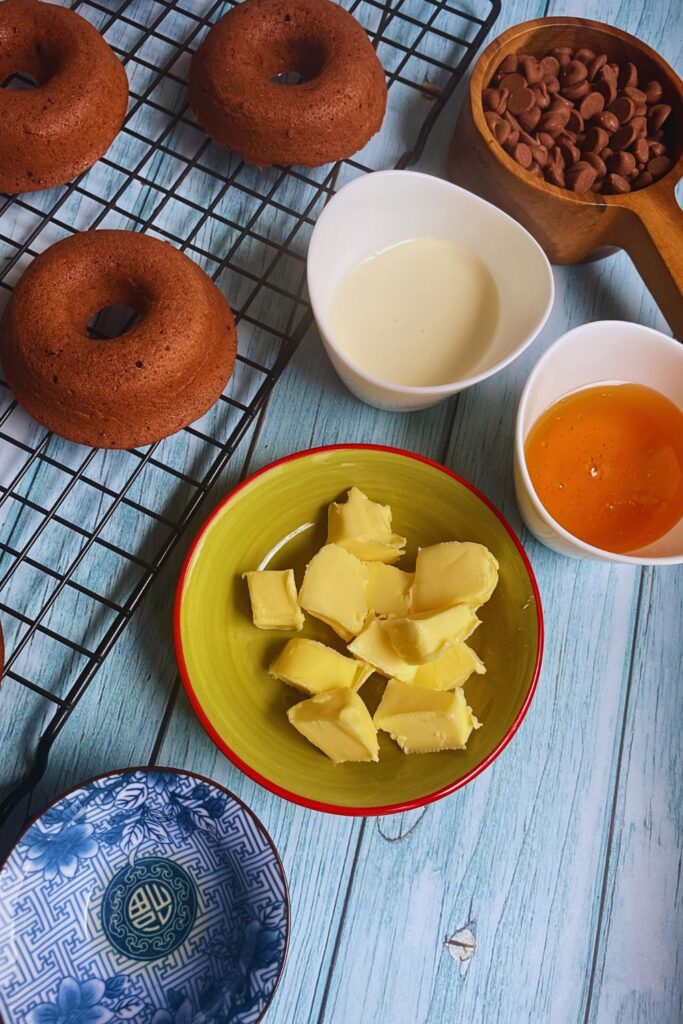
641 151
560 103
554 175
570 152
527 138
522 154
658 115
621 163
567 135
628 76
653 92
563 54
607 88
585 55
641 109
659 165
492 99
539 154
513 82
580 177
591 105
553 121
640 125
576 92
552 85
596 162
550 66
643 180
530 118
541 96
499 127
635 94
509 65
596 140
623 108
520 101
556 157
606 153
606 120
575 122
533 72
596 65
545 139
623 138
656 148
616 185
575 72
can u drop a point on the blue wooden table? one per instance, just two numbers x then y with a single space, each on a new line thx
549 889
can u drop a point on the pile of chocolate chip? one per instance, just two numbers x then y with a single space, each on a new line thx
579 121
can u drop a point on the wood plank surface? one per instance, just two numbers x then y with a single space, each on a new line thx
548 890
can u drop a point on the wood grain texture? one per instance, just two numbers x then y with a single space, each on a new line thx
547 891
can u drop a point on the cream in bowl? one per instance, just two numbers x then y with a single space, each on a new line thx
420 289
417 313
599 445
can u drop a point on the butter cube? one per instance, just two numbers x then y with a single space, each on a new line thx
334 590
422 638
453 573
424 721
374 646
363 527
388 589
315 668
274 603
452 668
339 724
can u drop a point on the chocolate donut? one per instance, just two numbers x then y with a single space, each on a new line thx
335 109
122 392
51 133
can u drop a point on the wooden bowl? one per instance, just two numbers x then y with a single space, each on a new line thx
573 228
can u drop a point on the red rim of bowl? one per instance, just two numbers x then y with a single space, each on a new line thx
268 784
201 778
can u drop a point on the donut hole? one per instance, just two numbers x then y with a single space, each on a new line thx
287 78
297 62
19 81
112 322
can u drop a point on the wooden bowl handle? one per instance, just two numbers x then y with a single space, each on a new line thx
651 235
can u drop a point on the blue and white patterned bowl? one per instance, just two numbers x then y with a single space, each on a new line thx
146 896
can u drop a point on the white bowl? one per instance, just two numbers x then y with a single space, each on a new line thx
608 351
381 209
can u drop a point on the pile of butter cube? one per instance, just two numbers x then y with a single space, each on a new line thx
409 627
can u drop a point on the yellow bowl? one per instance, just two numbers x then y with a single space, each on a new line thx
277 519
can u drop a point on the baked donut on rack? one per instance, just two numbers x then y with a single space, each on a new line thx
122 392
52 133
237 93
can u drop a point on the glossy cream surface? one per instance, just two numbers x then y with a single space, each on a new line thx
419 313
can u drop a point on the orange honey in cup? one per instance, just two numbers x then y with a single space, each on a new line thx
607 464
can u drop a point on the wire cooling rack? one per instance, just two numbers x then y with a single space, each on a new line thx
84 532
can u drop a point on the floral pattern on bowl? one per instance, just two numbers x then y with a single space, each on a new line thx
196 883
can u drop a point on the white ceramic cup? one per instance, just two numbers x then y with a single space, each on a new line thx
384 208
608 351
